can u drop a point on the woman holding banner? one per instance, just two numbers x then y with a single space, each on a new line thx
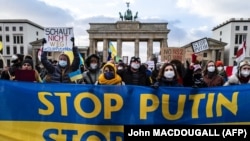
167 76
109 76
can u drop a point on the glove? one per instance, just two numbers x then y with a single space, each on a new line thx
44 41
72 39
194 58
187 63
155 86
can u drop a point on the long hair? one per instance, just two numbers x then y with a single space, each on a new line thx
205 71
162 70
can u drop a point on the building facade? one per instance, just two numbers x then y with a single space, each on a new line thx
233 32
214 52
16 35
127 31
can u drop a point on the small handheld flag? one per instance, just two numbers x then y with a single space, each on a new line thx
76 75
1 45
241 53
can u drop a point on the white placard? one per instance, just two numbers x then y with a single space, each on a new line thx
200 45
58 39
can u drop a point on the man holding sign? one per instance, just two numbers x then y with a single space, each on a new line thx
59 39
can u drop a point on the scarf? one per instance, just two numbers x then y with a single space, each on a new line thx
115 81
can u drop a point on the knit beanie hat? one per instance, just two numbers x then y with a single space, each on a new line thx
29 61
243 63
134 58
197 67
219 63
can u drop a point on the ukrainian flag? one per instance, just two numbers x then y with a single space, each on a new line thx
1 45
81 59
112 50
76 75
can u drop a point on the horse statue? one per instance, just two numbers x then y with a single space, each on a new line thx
128 15
136 16
121 17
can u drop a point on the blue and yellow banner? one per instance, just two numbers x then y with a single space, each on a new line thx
76 112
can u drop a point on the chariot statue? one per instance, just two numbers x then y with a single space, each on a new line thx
128 16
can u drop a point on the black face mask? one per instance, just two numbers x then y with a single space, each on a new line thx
109 75
197 76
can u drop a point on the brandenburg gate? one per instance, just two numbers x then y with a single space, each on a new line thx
128 29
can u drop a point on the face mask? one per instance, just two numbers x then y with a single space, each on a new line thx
211 69
219 68
109 75
93 66
41 66
245 73
135 65
169 74
197 76
120 68
62 63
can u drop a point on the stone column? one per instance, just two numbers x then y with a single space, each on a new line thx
91 44
95 47
119 48
136 47
105 50
213 54
149 48
222 55
34 53
164 43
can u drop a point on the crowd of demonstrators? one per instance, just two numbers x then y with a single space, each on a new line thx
93 69
135 74
109 75
168 76
242 76
20 62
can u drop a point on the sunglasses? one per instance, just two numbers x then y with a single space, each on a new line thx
134 59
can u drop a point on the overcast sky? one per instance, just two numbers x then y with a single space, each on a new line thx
188 20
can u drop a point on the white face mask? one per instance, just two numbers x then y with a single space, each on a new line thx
211 69
93 66
62 63
169 74
219 68
135 65
120 68
245 73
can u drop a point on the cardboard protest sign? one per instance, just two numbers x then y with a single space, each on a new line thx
171 53
58 39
